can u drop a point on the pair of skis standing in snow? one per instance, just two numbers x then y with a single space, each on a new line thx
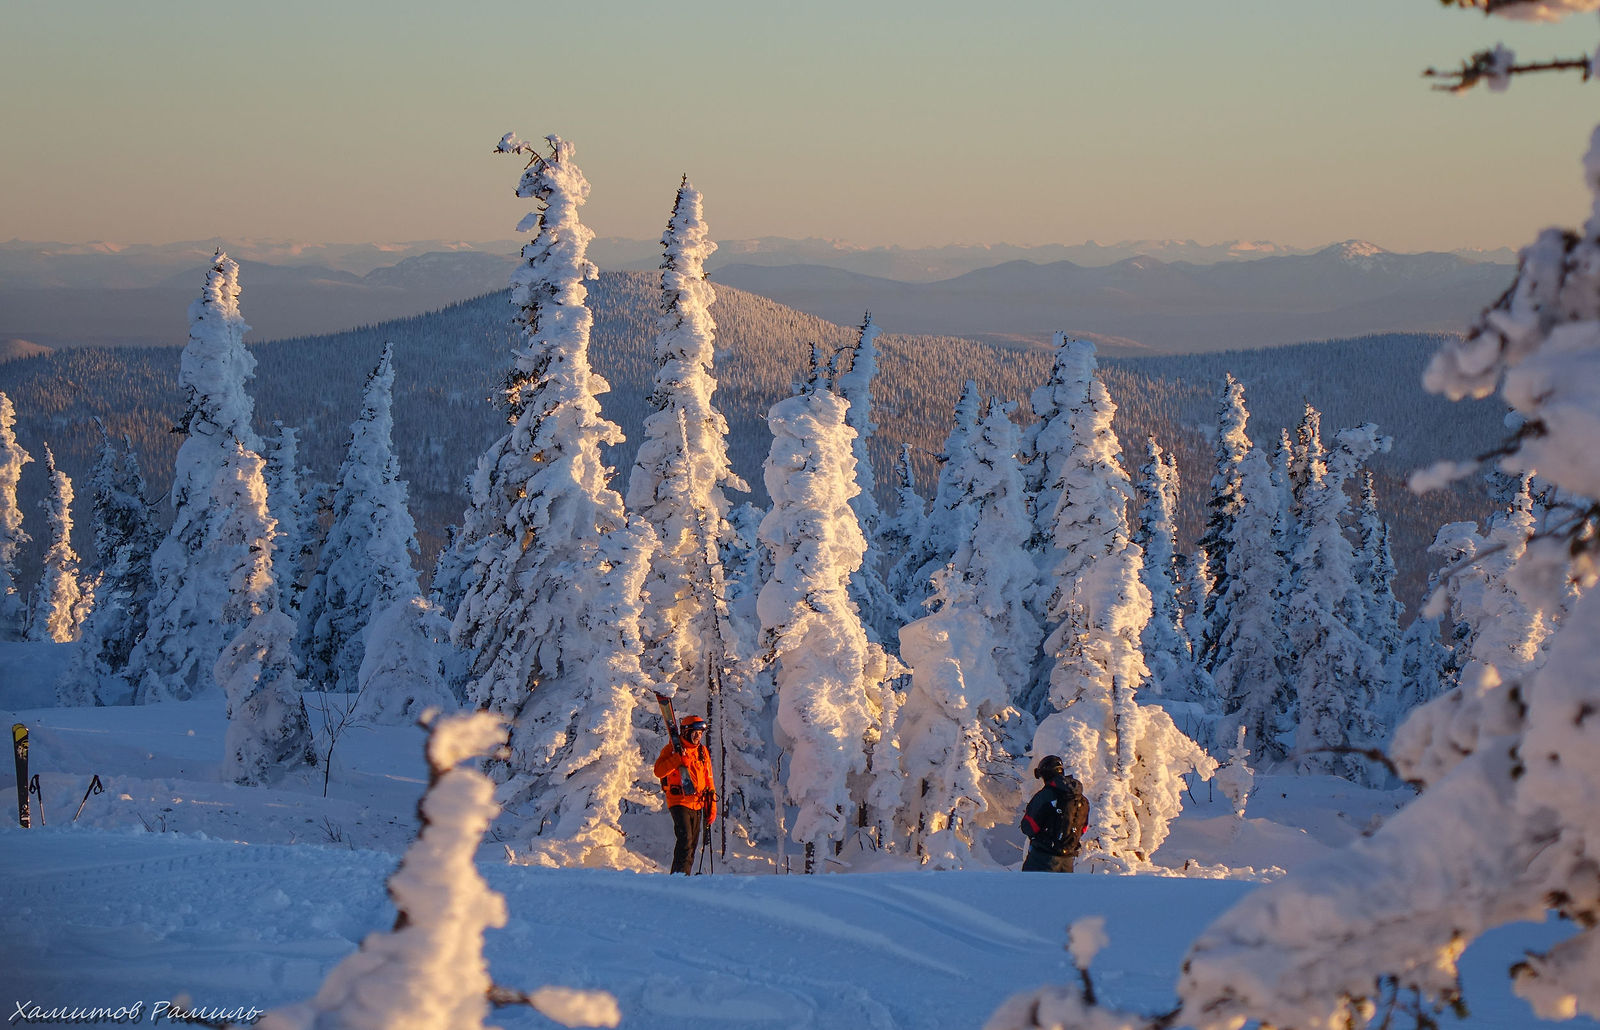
684 768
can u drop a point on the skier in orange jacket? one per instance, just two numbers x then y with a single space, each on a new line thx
685 773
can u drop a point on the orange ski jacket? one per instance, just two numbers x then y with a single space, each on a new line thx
686 779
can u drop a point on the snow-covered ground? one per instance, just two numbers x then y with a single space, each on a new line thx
172 884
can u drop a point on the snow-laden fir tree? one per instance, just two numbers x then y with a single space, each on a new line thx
1506 827
406 664
1222 509
1129 757
61 602
124 539
995 578
1374 574
293 501
1336 670
13 612
678 486
1251 675
1305 468
911 579
366 561
551 614
945 737
899 532
853 374
1168 651
835 706
450 571
268 732
187 629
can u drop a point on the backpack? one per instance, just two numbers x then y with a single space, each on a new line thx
1065 812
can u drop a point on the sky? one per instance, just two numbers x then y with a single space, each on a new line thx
874 122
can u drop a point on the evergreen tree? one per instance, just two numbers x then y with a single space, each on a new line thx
13 613
187 627
1129 757
124 540
1167 648
268 732
450 571
294 504
1252 670
1222 510
405 667
911 580
366 561
1374 591
1334 668
832 692
551 614
677 486
898 534
880 612
61 602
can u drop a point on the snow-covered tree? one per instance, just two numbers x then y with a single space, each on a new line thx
429 972
13 613
1168 651
62 601
898 533
366 561
1129 757
853 374
294 504
1235 778
1222 509
1374 575
124 540
911 579
187 627
833 699
405 664
551 614
1335 669
678 486
1251 673
268 732
1513 751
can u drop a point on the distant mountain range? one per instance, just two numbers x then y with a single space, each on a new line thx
1148 296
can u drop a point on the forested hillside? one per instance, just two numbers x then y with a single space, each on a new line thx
449 364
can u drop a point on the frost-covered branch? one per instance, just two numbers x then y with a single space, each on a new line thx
1495 68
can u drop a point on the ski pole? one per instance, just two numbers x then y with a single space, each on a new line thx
33 788
95 787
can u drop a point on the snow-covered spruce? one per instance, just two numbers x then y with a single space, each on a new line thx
691 639
1336 672
429 972
1222 510
832 695
1517 752
1129 757
853 375
366 561
551 613
187 630
124 539
293 500
1251 676
61 602
13 613
268 732
405 664
911 579
1168 651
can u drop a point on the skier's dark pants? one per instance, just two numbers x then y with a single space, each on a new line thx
1039 861
687 825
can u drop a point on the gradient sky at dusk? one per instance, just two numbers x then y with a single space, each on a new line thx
918 123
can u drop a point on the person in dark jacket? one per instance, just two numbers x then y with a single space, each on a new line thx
1055 819
684 769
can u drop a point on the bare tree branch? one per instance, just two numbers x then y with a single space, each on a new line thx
1485 65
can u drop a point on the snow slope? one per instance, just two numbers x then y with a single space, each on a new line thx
242 897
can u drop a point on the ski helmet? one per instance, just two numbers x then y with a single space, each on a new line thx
691 724
1049 768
